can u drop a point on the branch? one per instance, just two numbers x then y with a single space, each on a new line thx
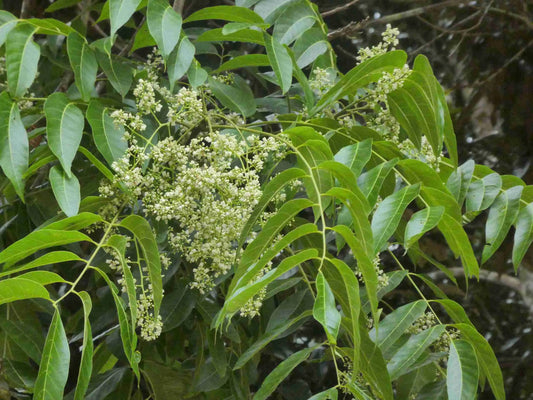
490 276
339 8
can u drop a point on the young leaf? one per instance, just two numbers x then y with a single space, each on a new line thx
66 190
355 156
86 363
22 59
53 370
83 62
279 373
502 216
237 98
227 13
164 24
462 373
143 233
14 289
179 61
120 11
325 310
389 213
420 223
196 74
64 128
523 236
281 62
108 137
14 146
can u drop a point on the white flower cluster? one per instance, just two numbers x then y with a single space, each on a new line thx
185 107
423 323
151 325
425 153
389 41
2 65
383 279
321 81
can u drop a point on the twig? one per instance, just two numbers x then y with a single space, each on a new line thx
178 6
339 8
348 29
25 9
490 276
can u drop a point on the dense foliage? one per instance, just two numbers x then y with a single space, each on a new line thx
196 212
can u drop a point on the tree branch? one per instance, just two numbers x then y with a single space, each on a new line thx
339 8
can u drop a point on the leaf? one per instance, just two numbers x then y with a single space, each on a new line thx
373 366
86 363
421 222
66 190
459 243
523 236
459 181
64 128
502 215
120 11
61 4
196 74
50 26
293 23
53 370
243 35
309 47
14 289
83 62
75 223
38 240
25 332
207 378
355 156
486 359
237 98
412 349
179 61
22 59
217 352
281 62
119 74
177 306
14 146
389 213
279 373
268 337
7 22
371 181
269 10
42 277
142 38
104 384
53 257
108 137
360 76
143 233
325 310
164 24
96 163
482 192
227 13
394 325
246 60
462 371
326 394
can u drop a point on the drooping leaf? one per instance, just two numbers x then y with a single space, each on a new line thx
373 366
179 61
462 372
279 373
281 62
53 370
108 137
47 259
86 363
22 59
325 310
120 11
66 190
164 24
196 74
238 98
120 74
523 236
64 128
420 223
227 13
459 181
14 146
83 62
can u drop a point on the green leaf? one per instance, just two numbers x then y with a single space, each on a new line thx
120 74
179 61
53 257
196 74
486 359
64 128
268 337
208 378
238 98
420 223
42 277
25 332
142 38
233 27
269 10
243 35
246 60
389 213
22 59
14 289
96 163
502 216
75 223
325 310
281 62
86 363
279 373
459 181
355 156
412 350
143 233
14 146
309 47
164 24
66 190
462 372
330 394
459 243
482 192
371 182
61 4
38 240
83 62
227 13
523 236
433 391
53 371
108 137
360 76
294 22
394 325
120 11
50 26
7 22
373 366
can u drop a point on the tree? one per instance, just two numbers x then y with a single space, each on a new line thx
201 212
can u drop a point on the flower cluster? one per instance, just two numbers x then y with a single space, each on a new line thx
425 153
389 41
383 279
321 81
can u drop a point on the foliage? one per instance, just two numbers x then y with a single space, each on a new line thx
178 229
